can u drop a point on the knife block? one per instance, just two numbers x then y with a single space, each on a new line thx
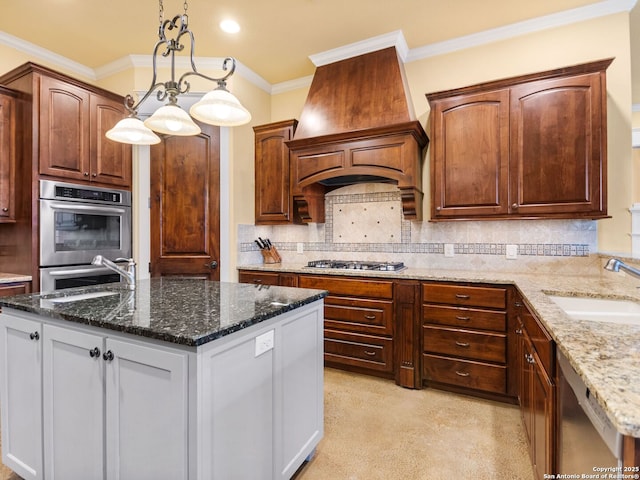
271 255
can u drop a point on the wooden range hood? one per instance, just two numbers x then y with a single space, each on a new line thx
357 125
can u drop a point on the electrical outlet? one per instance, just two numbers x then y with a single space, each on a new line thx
511 251
264 343
300 247
449 250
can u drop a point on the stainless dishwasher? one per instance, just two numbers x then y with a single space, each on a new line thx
587 438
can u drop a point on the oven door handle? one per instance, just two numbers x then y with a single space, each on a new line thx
92 208
78 271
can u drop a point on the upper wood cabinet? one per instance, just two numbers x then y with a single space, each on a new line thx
7 156
69 120
274 204
528 147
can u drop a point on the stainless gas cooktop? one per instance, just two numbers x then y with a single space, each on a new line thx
358 265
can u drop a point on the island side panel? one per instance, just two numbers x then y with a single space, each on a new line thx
247 380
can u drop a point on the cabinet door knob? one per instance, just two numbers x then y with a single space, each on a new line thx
94 175
438 209
514 205
34 336
518 331
86 174
107 356
94 352
5 209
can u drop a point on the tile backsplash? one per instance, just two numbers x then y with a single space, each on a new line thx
365 222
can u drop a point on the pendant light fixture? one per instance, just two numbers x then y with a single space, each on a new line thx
218 107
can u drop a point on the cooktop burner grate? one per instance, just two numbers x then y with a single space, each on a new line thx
358 265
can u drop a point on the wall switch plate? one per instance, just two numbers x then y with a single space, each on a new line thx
264 342
300 247
449 250
511 251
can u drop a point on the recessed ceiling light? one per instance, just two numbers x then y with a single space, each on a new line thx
230 26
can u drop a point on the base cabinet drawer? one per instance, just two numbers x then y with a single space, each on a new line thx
465 343
464 317
465 373
359 315
357 350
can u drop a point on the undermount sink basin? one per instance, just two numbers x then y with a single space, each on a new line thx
81 296
599 309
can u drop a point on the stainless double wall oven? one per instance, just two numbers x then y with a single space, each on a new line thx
78 222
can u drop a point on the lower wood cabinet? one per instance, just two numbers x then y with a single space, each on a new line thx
464 339
358 322
18 288
537 393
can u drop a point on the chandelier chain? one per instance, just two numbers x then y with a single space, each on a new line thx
160 12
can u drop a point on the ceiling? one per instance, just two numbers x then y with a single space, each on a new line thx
277 36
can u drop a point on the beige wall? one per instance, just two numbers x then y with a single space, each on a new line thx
583 42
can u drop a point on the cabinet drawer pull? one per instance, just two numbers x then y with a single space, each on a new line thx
462 374
466 319
370 353
463 344
257 280
462 296
370 317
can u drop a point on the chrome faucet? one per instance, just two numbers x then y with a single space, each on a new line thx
614 265
129 274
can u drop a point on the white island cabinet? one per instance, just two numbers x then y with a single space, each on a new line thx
82 401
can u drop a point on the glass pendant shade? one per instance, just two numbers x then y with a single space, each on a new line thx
131 130
220 107
172 120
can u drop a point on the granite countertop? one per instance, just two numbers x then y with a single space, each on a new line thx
13 278
605 355
185 311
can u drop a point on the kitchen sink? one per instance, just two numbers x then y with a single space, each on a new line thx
599 309
80 296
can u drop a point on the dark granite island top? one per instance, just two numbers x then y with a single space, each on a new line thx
184 311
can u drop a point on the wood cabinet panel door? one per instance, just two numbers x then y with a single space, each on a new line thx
469 168
64 132
558 149
273 202
185 205
110 161
7 159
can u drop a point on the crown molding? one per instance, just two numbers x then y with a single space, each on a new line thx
290 85
601 9
392 39
36 52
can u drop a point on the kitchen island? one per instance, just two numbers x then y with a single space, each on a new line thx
178 379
